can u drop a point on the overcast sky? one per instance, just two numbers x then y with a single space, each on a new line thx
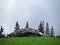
32 11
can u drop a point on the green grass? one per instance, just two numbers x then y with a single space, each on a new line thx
30 41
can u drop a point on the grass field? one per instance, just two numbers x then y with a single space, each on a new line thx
30 41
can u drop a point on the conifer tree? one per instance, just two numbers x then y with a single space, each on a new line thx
52 32
47 30
27 25
1 30
41 27
17 26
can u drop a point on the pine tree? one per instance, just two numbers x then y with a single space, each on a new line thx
41 27
1 30
47 30
52 32
27 25
17 26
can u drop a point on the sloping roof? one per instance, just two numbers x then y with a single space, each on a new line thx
27 30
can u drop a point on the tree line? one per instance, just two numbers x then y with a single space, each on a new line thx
43 29
46 31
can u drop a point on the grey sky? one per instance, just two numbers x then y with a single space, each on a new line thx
29 10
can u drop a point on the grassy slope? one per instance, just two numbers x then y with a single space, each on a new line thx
30 41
